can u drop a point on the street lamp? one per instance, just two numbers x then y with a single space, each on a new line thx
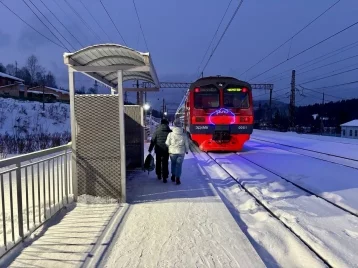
165 113
146 107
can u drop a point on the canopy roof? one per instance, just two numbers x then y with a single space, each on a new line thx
102 62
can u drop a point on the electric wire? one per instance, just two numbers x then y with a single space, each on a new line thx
212 40
307 49
61 23
140 25
51 24
99 25
64 46
223 34
113 22
31 26
291 37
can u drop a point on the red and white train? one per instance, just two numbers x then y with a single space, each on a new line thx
217 113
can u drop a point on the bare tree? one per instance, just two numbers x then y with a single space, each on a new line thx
50 80
2 68
10 69
33 66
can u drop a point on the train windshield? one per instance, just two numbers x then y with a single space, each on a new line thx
206 98
236 97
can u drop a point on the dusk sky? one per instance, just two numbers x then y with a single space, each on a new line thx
179 32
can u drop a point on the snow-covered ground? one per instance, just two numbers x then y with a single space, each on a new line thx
179 226
164 225
211 221
343 147
21 117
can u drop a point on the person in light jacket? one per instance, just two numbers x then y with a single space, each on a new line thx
178 145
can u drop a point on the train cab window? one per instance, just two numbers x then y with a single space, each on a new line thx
236 97
206 97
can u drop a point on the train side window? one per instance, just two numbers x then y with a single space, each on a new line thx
356 133
344 132
350 133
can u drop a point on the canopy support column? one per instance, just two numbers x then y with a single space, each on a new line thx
122 136
71 80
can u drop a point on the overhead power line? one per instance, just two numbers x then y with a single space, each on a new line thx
31 26
288 40
312 90
140 25
338 85
322 66
64 46
99 25
113 22
325 77
223 34
334 52
84 22
61 23
212 40
51 24
305 50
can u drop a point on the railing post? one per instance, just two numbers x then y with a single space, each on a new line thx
19 200
66 177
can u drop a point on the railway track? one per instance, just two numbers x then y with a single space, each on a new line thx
308 150
354 213
271 211
266 208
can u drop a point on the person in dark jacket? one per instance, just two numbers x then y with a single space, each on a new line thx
161 150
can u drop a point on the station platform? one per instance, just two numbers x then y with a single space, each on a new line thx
162 225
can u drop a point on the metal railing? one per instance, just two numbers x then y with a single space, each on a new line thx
33 187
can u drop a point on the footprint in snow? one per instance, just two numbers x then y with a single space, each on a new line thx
351 233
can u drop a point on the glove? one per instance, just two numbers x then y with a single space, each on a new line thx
186 152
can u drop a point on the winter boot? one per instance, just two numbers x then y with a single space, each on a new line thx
159 177
173 178
177 181
165 180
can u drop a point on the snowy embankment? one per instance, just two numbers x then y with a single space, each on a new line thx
342 147
27 126
330 231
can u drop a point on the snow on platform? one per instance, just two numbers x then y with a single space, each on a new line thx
179 226
69 239
163 225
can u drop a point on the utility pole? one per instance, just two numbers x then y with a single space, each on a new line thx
163 107
322 109
96 86
202 74
16 68
270 106
137 92
125 97
293 99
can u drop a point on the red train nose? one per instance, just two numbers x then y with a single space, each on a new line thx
222 119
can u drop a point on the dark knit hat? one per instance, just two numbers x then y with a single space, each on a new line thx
164 121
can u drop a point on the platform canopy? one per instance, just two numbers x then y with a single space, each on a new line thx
103 61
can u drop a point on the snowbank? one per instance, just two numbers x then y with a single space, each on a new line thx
331 145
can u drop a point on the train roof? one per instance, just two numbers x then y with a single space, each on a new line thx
218 80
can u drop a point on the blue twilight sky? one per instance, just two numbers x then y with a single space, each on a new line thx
179 32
